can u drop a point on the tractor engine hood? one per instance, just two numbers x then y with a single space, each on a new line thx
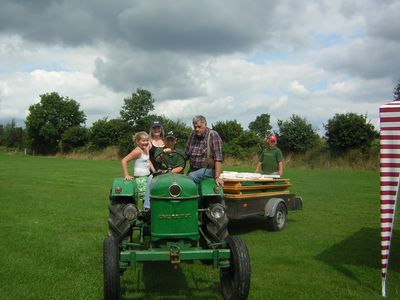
170 186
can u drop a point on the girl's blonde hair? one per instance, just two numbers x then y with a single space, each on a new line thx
139 135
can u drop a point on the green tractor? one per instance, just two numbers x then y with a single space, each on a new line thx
186 222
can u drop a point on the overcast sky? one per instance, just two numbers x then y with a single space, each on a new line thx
227 60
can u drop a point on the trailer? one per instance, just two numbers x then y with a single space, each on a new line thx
252 194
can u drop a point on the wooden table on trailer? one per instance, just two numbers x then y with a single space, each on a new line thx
249 196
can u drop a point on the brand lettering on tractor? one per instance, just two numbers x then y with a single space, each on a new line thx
174 216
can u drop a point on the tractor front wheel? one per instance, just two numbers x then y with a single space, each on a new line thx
118 226
111 270
235 280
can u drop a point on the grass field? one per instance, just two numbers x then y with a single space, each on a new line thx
54 215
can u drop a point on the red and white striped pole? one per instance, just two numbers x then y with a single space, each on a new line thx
389 178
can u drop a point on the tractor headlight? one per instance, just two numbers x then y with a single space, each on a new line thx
118 190
175 190
130 212
217 211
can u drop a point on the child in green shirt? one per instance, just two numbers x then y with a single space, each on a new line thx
270 160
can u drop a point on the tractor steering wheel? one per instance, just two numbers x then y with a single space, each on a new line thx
166 161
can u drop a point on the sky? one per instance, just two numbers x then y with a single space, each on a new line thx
227 60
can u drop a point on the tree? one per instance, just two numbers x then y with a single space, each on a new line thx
248 140
228 130
396 91
104 133
49 119
137 106
74 137
349 131
237 143
296 135
11 135
261 125
243 146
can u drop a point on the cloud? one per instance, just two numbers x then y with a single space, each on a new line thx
205 27
365 58
184 110
384 23
21 90
299 90
70 23
165 73
226 60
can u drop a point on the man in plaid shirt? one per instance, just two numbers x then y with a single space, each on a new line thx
204 151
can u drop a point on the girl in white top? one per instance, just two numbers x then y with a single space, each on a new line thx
140 157
141 164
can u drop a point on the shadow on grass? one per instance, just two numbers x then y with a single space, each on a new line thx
237 227
249 224
162 281
361 249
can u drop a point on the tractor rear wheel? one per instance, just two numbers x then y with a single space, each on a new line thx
235 280
118 226
111 270
278 221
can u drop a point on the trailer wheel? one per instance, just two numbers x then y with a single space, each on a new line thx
235 280
118 226
111 270
278 221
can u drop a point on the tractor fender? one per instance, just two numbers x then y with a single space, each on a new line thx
271 205
122 187
209 188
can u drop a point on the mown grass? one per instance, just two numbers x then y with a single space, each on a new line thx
53 221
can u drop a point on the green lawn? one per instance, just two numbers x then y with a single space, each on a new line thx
54 218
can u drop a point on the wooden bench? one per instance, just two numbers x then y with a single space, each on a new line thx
244 188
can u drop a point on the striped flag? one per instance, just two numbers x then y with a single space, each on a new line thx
389 178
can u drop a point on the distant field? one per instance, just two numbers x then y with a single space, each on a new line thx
53 221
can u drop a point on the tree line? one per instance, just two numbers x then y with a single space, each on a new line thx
56 124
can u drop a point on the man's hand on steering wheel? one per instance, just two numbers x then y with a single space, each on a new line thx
166 154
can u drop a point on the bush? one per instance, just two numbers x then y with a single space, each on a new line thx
349 131
321 157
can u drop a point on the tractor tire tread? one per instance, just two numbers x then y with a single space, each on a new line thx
235 282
